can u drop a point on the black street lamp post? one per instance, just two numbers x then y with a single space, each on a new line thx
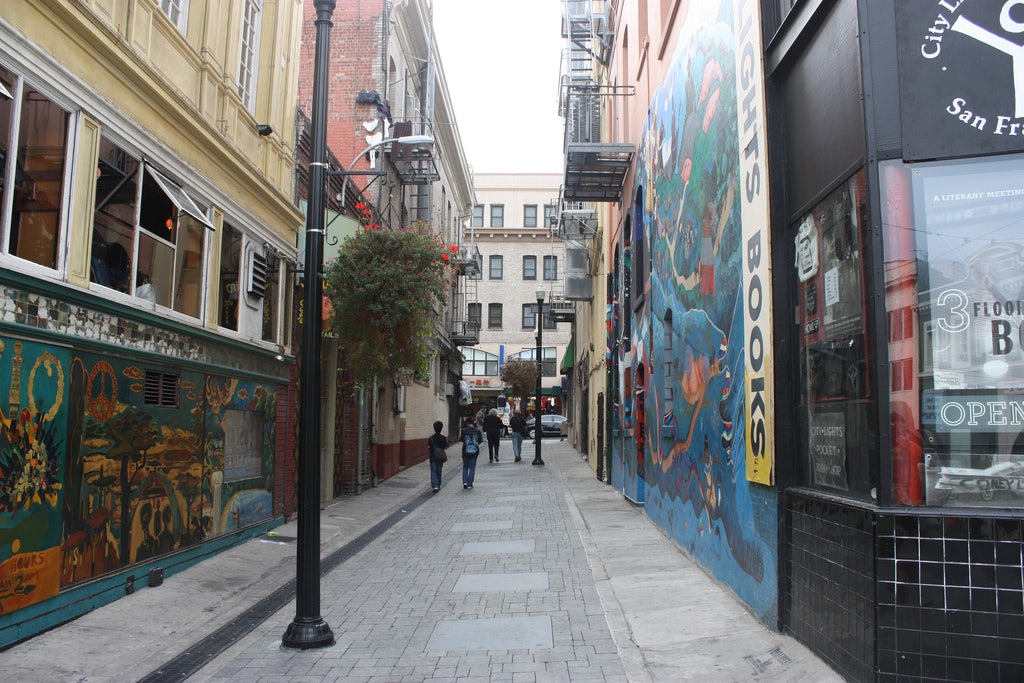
538 430
309 630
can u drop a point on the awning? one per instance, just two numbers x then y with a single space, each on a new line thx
551 391
567 358
179 197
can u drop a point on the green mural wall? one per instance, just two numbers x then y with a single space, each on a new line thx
105 462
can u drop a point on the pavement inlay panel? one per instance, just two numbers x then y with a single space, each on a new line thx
503 633
498 547
517 581
496 525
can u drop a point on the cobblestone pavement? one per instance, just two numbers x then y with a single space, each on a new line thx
534 574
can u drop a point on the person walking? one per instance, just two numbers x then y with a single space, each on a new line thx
437 443
470 439
493 427
518 426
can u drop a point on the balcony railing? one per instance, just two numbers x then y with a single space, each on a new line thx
466 332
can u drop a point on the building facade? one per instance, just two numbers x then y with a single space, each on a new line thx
519 255
148 231
387 82
808 213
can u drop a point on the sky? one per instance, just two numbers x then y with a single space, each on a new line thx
501 61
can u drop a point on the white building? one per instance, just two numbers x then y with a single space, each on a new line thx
520 255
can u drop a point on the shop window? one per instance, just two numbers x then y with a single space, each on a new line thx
954 252
148 241
271 301
479 363
230 272
835 416
33 159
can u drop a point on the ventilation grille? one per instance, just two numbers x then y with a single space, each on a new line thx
161 389
256 284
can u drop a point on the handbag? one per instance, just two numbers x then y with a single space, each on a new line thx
440 454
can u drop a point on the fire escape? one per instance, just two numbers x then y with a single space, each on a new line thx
594 169
465 326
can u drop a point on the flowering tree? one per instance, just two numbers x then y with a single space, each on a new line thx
384 288
520 376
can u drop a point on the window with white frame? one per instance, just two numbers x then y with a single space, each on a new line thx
478 216
421 200
497 215
252 14
479 363
34 154
177 12
149 235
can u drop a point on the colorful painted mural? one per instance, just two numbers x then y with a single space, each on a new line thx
689 338
104 463
32 446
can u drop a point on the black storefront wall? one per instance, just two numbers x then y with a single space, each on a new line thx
882 591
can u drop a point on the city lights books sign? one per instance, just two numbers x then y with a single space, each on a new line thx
961 69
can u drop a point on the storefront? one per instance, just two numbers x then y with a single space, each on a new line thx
902 517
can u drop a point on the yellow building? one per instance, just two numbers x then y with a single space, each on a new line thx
147 239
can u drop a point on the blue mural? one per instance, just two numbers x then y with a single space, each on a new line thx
688 338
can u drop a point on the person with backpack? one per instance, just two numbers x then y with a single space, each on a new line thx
436 445
518 426
471 438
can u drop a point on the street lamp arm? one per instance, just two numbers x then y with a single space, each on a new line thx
419 140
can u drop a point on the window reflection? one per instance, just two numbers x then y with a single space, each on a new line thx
954 245
36 129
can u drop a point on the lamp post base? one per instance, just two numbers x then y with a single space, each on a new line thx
304 634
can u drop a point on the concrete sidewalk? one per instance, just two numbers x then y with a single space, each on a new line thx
535 574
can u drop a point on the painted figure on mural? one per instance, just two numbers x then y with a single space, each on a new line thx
690 333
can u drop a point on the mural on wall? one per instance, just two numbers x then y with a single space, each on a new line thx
151 460
33 378
689 338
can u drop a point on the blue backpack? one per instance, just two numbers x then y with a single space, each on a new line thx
472 443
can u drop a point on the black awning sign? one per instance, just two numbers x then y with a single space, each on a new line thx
961 77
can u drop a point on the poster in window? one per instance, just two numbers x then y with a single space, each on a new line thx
828 449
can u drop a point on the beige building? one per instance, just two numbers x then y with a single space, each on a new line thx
510 225
147 244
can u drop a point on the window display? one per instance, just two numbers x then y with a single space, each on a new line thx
835 410
954 240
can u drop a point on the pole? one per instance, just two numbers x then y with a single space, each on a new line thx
308 629
538 431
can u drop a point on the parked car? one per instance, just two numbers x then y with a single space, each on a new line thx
550 425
